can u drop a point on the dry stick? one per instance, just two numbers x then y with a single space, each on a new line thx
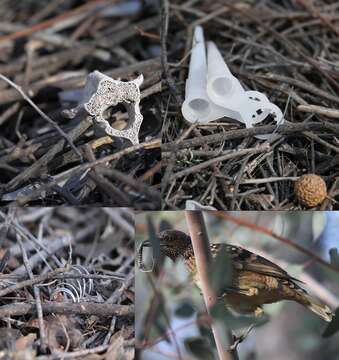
205 164
203 258
43 115
115 195
83 308
271 233
295 82
267 180
74 354
330 194
321 141
164 63
43 161
286 129
316 14
36 295
290 47
155 143
134 183
321 110
66 80
48 23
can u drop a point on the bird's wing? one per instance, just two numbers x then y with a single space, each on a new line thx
246 260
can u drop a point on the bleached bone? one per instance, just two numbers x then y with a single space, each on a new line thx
197 107
101 92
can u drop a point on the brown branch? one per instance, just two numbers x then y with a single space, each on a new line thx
286 129
152 144
280 238
83 308
265 148
50 22
75 354
43 115
203 257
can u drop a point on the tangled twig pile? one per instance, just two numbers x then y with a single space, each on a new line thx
48 50
65 286
287 51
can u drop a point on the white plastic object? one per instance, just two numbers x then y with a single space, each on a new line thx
212 91
195 205
225 90
197 107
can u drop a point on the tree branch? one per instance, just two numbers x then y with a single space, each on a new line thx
263 230
203 257
83 308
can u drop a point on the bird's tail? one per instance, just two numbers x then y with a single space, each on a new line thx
320 309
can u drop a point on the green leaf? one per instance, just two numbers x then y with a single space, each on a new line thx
221 270
333 326
199 347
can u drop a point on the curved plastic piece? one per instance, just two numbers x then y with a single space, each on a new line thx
278 118
212 91
197 107
224 89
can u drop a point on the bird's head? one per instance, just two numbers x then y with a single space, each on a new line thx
173 243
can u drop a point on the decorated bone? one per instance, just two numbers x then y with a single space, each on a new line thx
101 92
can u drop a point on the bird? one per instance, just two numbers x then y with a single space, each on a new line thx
255 280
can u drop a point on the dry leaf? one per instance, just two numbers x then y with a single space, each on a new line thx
25 342
121 345
61 331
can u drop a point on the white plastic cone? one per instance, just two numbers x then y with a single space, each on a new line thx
221 83
197 107
224 89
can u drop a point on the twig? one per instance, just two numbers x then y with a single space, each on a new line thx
36 296
271 233
321 110
155 143
234 154
74 354
83 308
44 25
43 115
203 258
286 129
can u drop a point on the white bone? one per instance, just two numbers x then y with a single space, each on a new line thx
100 93
104 92
197 107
